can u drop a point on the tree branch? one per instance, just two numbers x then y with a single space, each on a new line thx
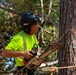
12 11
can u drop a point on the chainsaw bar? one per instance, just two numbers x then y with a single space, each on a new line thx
37 60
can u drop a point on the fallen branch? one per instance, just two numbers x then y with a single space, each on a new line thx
49 68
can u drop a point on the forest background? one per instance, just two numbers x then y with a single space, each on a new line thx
52 14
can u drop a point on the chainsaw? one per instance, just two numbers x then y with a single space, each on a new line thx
38 59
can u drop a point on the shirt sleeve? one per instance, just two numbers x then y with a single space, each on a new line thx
14 44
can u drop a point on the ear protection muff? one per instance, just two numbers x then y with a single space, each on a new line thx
26 25
27 29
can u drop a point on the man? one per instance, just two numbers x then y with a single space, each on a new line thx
17 48
22 43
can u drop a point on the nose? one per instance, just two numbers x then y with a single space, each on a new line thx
37 25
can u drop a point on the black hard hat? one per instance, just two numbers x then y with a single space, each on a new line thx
28 19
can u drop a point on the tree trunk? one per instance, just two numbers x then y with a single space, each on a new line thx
66 55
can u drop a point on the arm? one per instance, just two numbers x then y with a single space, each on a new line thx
11 54
11 50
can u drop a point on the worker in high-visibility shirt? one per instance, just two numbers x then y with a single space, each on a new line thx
29 24
22 43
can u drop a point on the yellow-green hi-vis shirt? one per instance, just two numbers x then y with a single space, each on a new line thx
17 44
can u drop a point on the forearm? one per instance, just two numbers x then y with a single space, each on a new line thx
11 54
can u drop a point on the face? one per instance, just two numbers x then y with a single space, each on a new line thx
34 29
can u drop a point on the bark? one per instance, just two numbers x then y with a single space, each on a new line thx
66 55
